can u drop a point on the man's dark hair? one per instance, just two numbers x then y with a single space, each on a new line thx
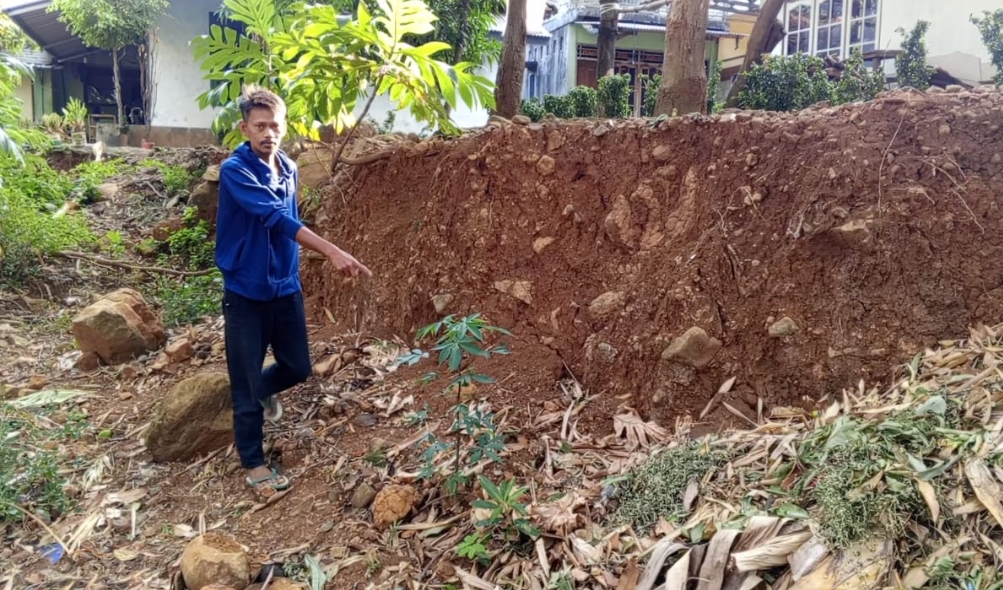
256 97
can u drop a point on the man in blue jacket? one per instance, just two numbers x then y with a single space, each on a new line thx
258 235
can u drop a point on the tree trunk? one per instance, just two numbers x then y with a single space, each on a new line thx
766 33
684 77
607 40
508 90
117 76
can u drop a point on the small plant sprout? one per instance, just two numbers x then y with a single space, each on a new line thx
506 510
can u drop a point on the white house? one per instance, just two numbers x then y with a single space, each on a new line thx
836 27
172 115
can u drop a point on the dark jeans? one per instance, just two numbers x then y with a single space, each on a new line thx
251 326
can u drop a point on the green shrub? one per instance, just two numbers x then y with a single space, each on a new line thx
33 478
186 300
910 65
193 246
614 96
651 84
584 101
788 83
37 180
177 180
857 83
991 30
713 86
559 106
533 109
92 174
27 233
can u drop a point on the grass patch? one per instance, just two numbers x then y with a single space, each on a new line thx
655 490
31 464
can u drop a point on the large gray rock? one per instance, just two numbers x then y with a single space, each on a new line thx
195 418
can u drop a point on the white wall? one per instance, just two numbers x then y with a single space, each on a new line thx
178 78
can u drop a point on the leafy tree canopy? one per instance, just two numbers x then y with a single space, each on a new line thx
109 24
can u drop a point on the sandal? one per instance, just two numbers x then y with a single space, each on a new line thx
270 484
273 409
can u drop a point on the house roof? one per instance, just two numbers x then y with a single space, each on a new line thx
535 11
45 29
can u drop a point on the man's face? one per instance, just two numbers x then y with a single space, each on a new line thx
264 128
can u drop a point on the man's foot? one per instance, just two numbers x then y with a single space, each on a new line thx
266 482
273 409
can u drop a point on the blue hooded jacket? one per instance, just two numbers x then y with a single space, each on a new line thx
256 226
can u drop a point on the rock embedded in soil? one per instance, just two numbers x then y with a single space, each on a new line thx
784 327
546 166
521 290
540 244
441 302
392 504
205 199
363 496
214 558
694 348
180 350
196 417
607 304
118 328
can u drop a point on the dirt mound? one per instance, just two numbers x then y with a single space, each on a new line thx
811 249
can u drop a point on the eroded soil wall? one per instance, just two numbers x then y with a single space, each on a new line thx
875 228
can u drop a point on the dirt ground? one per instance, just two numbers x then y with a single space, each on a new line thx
871 228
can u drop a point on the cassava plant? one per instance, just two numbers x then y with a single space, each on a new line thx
325 67
459 343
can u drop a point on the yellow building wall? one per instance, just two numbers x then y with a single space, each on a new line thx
732 51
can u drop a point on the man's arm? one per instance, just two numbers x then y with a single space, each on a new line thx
341 260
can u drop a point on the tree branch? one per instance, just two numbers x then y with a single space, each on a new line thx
362 117
125 265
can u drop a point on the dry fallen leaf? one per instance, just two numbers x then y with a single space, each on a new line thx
639 434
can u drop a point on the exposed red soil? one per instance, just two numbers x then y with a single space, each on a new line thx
876 233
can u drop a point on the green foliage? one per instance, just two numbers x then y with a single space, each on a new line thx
713 86
29 231
651 84
33 478
12 38
842 457
991 30
177 180
474 547
787 83
75 114
185 300
655 489
613 96
323 68
35 178
857 83
508 513
910 65
13 136
109 24
471 34
459 342
533 109
584 101
559 106
193 246
90 175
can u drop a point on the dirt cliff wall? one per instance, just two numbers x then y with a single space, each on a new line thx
812 249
